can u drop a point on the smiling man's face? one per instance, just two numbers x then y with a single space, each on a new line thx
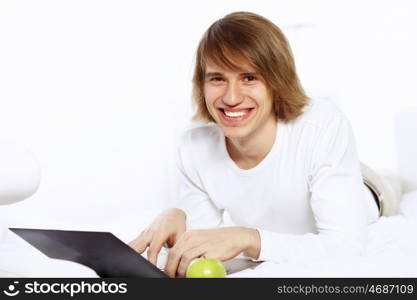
239 101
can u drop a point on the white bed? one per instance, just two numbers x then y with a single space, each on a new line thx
391 251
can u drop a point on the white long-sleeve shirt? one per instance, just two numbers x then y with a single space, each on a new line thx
306 197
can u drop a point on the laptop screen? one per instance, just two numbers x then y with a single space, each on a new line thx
101 251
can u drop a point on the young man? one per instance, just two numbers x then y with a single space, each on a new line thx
283 167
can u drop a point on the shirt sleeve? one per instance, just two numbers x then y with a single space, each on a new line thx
200 211
337 200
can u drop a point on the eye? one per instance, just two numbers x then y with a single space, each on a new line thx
249 78
216 78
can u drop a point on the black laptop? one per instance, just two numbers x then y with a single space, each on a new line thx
101 251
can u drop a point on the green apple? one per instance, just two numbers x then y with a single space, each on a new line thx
206 268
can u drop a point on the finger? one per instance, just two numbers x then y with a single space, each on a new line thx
187 258
186 242
141 243
174 256
154 248
134 241
171 241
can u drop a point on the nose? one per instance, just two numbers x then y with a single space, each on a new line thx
233 94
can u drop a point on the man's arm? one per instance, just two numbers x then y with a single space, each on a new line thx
337 200
192 198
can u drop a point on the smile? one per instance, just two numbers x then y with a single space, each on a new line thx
235 115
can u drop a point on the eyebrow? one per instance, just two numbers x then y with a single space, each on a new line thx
208 74
249 73
213 74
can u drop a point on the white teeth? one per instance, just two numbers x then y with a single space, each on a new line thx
234 114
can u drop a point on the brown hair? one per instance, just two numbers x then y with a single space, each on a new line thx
252 38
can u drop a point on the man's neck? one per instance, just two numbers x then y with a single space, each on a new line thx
250 151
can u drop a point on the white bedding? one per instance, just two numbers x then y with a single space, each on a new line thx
391 251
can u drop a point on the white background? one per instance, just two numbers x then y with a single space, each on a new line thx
99 90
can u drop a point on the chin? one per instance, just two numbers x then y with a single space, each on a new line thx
234 132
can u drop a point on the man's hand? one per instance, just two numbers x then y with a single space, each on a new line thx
221 243
166 228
